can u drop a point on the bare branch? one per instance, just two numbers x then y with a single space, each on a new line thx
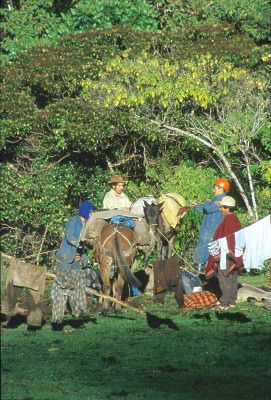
41 245
204 139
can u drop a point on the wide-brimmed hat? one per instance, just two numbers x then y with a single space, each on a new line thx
116 179
227 201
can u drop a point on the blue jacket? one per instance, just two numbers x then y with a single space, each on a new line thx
212 216
68 247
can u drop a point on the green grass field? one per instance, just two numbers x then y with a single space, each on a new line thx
199 354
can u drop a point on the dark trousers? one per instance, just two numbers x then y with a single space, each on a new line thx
228 286
34 299
178 295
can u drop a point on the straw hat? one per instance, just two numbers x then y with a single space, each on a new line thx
116 179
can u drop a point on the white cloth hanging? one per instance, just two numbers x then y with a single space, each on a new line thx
258 243
213 248
223 252
253 242
240 243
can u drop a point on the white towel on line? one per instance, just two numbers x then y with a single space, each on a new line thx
258 243
255 238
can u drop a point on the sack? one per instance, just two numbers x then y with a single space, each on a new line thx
142 233
172 204
129 222
190 281
95 228
117 219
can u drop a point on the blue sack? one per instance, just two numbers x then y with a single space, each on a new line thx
117 219
135 291
129 222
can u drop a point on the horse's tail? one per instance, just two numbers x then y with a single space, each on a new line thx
123 268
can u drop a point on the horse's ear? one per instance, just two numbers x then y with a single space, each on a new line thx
160 205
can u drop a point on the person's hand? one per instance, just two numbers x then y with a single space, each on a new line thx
193 204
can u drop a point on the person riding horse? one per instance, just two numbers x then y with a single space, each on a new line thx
115 198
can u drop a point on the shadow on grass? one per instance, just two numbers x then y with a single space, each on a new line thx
116 316
78 323
19 319
235 317
155 322
14 322
205 316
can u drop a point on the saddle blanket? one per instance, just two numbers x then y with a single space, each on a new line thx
199 300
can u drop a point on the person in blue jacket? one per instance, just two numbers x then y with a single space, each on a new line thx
71 255
69 287
211 219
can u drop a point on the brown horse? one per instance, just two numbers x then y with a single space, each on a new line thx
115 251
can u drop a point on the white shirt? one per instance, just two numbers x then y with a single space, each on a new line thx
113 200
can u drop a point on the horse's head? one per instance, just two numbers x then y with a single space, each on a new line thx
152 212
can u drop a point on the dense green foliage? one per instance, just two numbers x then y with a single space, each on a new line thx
30 22
93 88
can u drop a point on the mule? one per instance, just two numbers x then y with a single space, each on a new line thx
115 252
171 206
116 249
147 208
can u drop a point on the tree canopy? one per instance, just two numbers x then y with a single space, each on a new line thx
170 94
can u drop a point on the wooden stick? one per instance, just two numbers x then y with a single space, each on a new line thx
99 294
122 303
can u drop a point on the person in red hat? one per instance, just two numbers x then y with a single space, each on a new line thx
115 198
211 219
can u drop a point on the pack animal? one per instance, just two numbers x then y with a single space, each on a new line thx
147 208
169 223
115 251
172 207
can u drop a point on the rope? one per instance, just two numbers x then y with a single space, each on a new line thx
178 255
103 248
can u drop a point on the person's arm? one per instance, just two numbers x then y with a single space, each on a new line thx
71 233
197 207
209 207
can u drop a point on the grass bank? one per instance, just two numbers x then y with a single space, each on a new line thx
198 354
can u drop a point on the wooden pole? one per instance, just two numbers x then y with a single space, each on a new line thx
122 303
103 296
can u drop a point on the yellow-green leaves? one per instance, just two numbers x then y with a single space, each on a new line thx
151 80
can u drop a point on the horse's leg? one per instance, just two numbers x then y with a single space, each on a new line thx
147 250
164 251
147 253
159 247
118 292
105 269
171 244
